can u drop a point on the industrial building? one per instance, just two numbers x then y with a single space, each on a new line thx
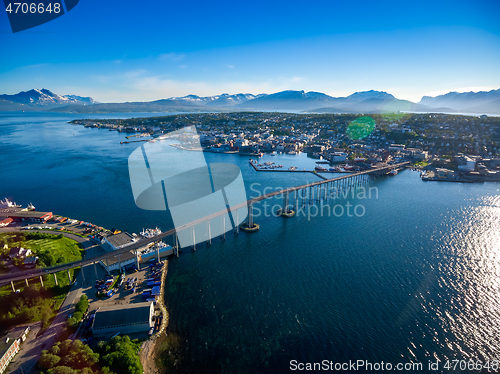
117 241
32 216
123 319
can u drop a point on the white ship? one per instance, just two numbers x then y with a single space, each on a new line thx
6 203
149 233
31 207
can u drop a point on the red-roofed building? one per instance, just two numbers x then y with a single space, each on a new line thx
6 222
31 216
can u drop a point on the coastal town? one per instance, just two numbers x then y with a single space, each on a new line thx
446 147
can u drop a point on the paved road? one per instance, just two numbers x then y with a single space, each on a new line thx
27 358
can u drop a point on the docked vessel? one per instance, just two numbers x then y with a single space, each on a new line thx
319 168
6 203
158 249
149 233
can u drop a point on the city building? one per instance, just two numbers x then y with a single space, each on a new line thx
123 319
30 262
117 241
8 348
466 163
19 252
6 222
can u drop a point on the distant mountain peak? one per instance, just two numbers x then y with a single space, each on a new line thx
372 94
44 97
482 101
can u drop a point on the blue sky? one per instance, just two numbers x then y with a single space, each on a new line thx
120 51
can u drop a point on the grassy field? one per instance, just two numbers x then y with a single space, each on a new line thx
421 163
59 248
34 302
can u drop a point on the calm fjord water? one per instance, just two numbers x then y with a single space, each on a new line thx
416 278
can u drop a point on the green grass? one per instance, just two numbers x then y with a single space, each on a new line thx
34 302
421 163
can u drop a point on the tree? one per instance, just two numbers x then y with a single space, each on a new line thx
62 370
46 315
120 355
49 360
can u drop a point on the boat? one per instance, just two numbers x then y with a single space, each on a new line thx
392 172
31 207
319 168
149 233
6 203
292 168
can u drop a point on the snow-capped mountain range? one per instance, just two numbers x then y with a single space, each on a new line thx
44 97
359 102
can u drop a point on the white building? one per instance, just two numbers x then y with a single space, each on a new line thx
466 164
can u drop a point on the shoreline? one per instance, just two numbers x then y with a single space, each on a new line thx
149 349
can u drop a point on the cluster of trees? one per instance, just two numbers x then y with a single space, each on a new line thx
73 357
70 357
80 309
30 305
120 355
40 235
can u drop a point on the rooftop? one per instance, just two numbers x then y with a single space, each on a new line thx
29 214
120 239
122 314
5 344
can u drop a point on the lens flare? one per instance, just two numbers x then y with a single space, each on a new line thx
360 128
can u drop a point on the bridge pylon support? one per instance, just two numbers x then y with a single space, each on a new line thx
55 279
136 260
83 274
13 288
69 276
250 226
285 212
27 284
223 227
95 270
41 281
209 234
194 240
176 244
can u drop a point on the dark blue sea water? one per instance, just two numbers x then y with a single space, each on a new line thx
414 279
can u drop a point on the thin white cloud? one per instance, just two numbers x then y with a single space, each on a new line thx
134 73
172 56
